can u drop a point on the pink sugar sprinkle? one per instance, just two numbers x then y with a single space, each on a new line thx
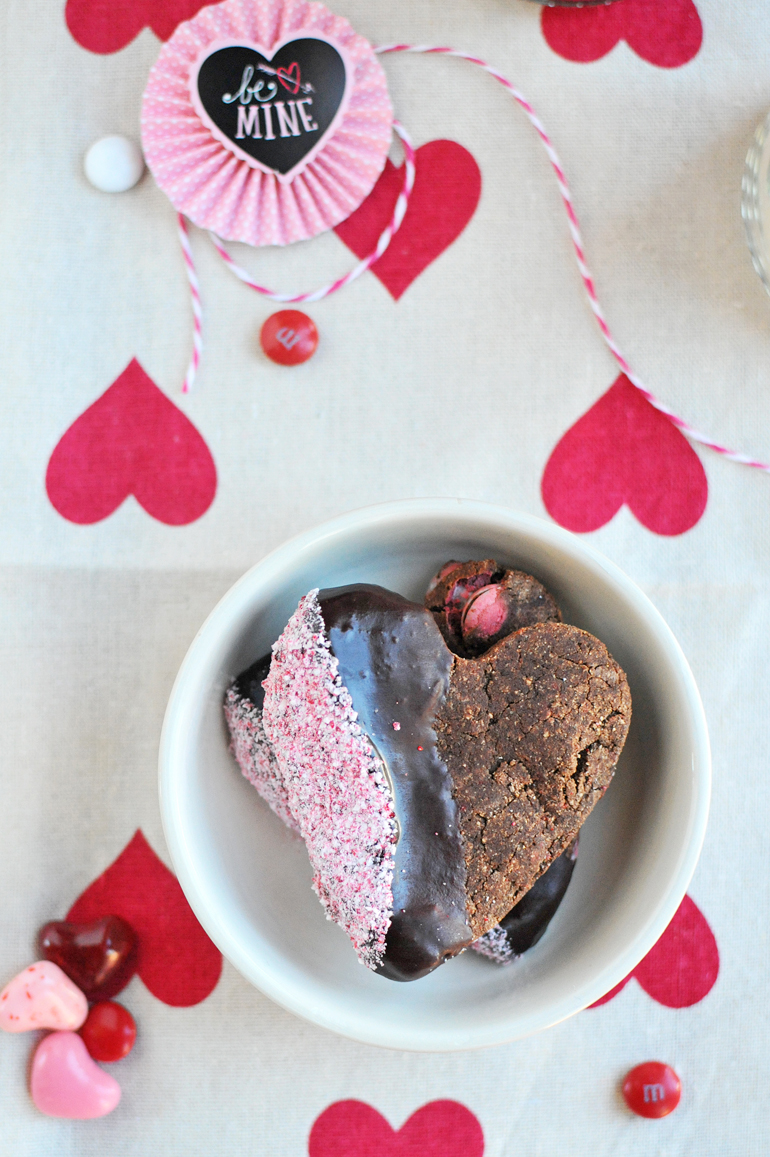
396 726
336 785
255 756
494 945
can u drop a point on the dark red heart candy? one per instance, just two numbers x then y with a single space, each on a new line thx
99 957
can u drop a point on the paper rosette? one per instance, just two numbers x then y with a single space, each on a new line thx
219 191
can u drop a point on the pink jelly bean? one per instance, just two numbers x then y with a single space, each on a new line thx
41 996
65 1082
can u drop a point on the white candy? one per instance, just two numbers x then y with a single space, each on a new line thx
114 164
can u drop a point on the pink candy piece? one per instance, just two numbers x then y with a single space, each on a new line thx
485 613
65 1082
41 996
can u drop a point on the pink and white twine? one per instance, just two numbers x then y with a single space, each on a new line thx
577 241
365 263
313 295
574 229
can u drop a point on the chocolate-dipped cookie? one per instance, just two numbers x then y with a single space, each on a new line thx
527 921
432 790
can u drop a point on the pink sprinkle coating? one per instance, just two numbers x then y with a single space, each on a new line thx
495 946
255 756
336 785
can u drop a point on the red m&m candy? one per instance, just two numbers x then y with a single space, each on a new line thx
652 1089
109 1031
289 337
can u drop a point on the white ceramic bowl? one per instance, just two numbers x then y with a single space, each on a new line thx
248 879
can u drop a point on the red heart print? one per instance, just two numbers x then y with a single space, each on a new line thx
446 191
289 77
175 958
106 26
132 440
667 33
355 1129
623 450
682 968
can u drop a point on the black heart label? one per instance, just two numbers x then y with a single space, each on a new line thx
274 110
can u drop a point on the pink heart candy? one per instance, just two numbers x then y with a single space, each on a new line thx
65 1082
41 996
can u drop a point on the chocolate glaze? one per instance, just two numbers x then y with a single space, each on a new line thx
527 921
248 685
396 666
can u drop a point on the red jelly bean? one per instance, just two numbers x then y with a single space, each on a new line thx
109 1031
652 1089
99 957
289 337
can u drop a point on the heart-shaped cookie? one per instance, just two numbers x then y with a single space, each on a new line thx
274 110
433 790
530 734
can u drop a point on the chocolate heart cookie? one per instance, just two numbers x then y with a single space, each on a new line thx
530 733
432 790
475 603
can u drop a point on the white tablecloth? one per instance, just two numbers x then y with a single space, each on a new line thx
462 387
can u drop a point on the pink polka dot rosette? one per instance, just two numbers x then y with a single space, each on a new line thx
266 121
